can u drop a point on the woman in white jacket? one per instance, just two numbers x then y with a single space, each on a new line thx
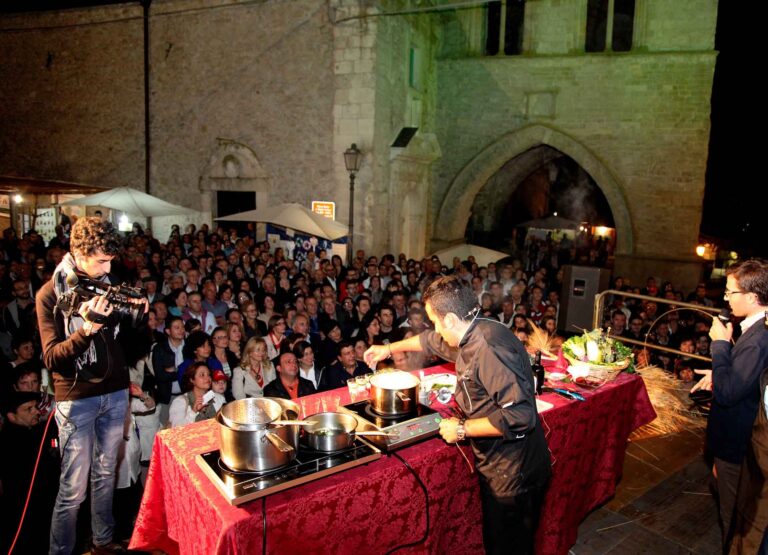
195 405
255 370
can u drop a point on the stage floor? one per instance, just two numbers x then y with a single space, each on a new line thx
662 505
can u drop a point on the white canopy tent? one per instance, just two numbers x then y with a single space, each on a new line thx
131 201
483 256
292 216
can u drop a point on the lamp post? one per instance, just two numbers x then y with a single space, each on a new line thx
352 159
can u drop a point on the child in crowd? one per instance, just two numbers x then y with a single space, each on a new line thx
219 383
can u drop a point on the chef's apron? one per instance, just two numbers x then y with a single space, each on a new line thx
751 517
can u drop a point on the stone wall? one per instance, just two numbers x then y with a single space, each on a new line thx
260 74
286 86
71 96
354 97
640 118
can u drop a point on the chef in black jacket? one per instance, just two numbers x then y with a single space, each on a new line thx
496 393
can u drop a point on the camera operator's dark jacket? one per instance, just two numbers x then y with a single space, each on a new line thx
67 357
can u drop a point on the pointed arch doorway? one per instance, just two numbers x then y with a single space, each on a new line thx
530 148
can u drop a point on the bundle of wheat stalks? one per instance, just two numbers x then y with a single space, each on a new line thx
540 340
674 411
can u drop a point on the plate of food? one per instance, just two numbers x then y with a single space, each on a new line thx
588 382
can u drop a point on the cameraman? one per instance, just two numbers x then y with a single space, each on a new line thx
91 381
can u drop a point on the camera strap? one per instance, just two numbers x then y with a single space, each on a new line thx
67 306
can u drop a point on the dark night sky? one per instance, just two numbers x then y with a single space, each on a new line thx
735 195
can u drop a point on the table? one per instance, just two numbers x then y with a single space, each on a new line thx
374 508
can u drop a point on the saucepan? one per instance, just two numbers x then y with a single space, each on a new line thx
332 431
394 393
249 440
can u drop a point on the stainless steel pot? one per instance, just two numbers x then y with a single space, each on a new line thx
394 393
332 431
246 443
251 414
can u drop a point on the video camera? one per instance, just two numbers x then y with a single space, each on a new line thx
83 288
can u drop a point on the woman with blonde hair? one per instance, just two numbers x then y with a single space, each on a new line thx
235 339
255 370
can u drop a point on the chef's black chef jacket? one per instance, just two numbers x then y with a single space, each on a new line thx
495 381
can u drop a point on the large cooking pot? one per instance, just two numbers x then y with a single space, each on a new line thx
248 441
394 393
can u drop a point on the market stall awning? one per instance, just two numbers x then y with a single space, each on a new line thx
292 216
133 202
483 256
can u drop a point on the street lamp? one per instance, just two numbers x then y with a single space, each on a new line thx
352 159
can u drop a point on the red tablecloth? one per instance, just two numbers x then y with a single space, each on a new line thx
374 508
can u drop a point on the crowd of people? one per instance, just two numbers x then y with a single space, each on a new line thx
663 324
229 318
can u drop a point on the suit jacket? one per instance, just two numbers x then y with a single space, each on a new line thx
750 520
335 376
163 357
736 374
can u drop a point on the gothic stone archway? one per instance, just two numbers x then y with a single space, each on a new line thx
454 212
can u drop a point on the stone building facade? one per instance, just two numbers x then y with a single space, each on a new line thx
265 97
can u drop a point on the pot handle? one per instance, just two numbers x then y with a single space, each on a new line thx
278 442
402 396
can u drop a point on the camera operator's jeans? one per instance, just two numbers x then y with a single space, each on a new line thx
90 432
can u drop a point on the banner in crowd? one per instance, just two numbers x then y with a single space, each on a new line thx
296 244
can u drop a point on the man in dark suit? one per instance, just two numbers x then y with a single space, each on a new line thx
346 367
735 380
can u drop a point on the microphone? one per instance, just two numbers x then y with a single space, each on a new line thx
724 316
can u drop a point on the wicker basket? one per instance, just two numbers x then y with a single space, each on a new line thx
602 372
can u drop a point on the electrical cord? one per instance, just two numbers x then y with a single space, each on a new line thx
426 506
646 346
39 453
31 483
264 523
62 448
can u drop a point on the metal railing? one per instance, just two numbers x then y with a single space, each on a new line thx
676 305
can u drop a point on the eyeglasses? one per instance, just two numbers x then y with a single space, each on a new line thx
218 337
728 293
